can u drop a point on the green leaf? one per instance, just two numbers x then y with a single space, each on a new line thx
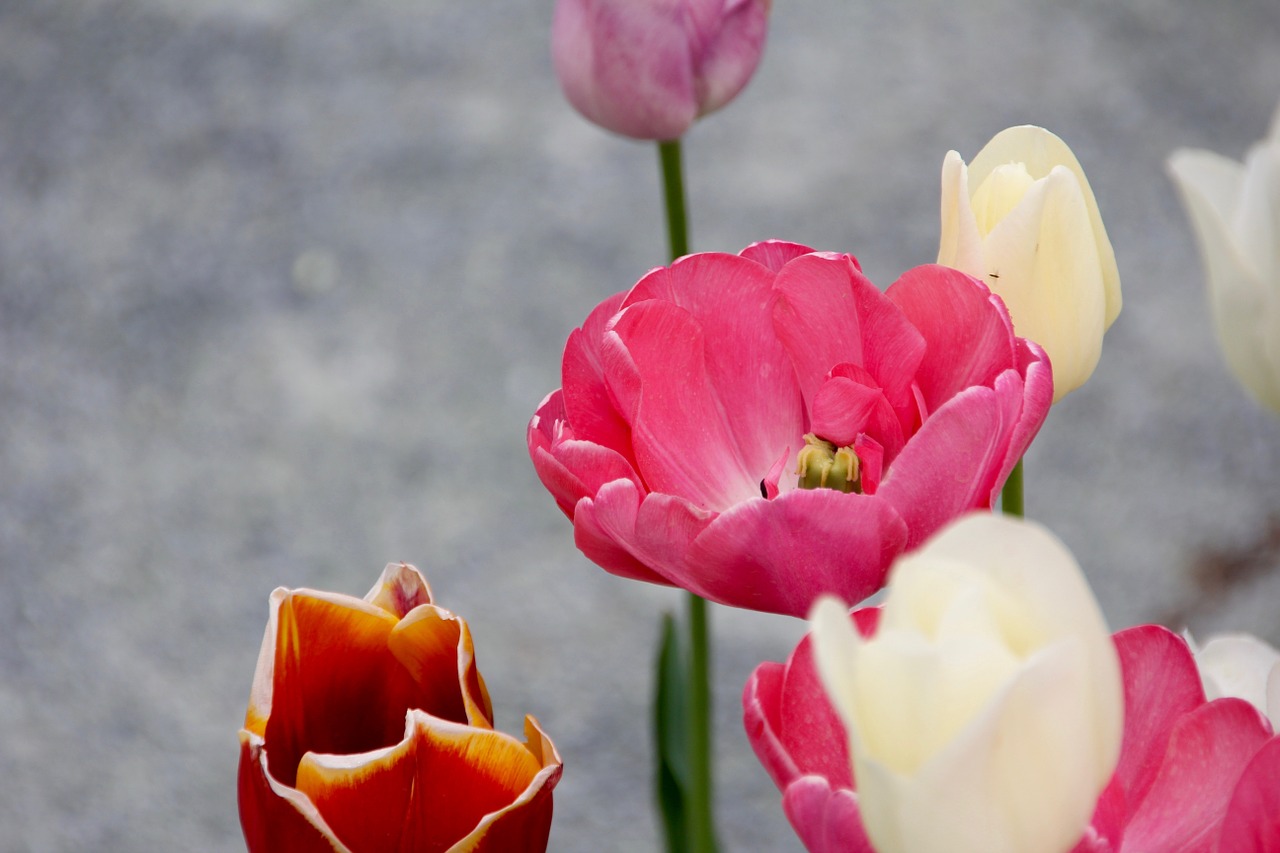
671 738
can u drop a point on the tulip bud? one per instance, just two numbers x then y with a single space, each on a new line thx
649 68
1023 218
1235 212
985 712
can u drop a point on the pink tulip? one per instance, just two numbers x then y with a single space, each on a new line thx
766 427
1193 775
649 68
798 737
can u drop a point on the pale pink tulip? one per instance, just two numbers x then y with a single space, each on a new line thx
691 403
649 68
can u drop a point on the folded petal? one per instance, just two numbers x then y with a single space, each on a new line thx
779 555
761 716
604 529
825 817
570 467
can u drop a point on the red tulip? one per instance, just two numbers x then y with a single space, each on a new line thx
763 428
369 728
649 68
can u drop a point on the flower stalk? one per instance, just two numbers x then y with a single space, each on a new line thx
1011 500
696 813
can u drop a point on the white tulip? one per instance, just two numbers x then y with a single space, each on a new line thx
1023 218
1235 212
1245 667
986 712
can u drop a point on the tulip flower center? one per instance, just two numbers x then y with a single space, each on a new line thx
821 465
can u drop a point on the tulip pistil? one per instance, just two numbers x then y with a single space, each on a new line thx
821 465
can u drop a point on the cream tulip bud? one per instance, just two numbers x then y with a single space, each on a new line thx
1235 212
985 713
1023 218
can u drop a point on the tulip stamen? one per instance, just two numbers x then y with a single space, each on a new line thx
821 465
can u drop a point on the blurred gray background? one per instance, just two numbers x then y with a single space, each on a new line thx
281 282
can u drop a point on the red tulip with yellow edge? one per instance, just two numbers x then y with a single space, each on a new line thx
369 729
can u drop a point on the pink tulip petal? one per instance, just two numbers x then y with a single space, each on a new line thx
1252 823
849 404
866 620
829 313
656 359
948 467
761 707
776 254
1161 685
1106 827
604 530
666 527
731 300
811 729
871 457
586 400
968 329
571 469
1037 397
826 819
1208 750
779 555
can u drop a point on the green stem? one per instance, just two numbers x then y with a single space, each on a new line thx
702 834
701 823
1011 498
673 195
